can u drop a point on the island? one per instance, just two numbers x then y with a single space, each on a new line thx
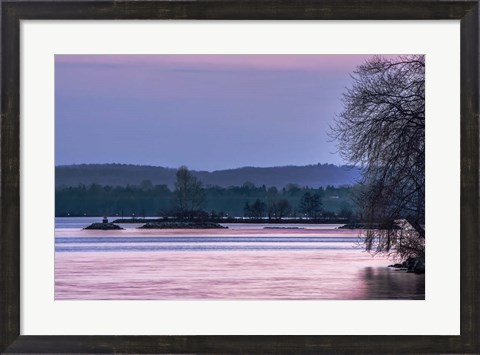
103 226
182 225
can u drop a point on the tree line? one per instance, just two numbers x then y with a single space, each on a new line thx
190 198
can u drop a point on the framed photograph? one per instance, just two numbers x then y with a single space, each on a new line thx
217 177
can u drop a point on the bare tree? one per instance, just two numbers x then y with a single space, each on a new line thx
189 193
382 130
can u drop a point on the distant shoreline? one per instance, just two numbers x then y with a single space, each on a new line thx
234 220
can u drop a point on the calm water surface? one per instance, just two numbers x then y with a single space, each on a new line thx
243 262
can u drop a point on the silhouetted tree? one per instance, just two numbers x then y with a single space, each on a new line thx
247 210
256 210
346 212
311 205
283 208
272 197
189 193
146 185
382 130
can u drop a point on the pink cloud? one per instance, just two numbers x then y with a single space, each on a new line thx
305 62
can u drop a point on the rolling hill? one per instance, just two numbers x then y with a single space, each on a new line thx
124 174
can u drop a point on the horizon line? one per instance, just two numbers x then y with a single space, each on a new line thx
210 171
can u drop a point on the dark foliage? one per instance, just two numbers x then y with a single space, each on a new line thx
157 200
311 205
189 194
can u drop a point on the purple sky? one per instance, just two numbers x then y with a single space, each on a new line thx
208 112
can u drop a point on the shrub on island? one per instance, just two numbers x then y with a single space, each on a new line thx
103 226
182 225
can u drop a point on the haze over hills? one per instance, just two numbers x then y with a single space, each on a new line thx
124 174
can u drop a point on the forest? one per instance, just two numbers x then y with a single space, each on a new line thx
248 200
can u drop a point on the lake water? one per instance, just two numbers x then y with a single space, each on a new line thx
245 261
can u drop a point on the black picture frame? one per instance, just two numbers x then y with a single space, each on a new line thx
12 12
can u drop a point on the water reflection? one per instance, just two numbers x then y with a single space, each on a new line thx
239 263
234 274
386 283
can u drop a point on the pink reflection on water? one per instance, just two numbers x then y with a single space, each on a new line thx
191 275
229 274
241 232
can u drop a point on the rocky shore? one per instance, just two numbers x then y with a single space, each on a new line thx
414 265
367 226
182 225
103 226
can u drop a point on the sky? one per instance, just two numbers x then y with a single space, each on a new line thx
208 112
